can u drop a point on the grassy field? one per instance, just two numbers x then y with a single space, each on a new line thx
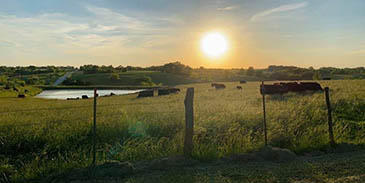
40 137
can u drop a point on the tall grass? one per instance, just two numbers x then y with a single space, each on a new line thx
35 143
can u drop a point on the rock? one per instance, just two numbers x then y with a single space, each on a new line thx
276 154
171 162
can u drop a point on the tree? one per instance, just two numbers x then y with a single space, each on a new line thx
250 71
114 76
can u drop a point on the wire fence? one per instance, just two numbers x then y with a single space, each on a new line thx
115 112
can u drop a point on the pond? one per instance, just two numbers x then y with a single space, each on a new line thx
63 94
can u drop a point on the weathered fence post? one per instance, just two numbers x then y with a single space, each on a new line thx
264 109
94 129
330 130
189 121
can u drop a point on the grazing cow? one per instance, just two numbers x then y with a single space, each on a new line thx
163 92
168 91
26 91
273 89
174 90
243 82
112 94
145 93
15 89
220 86
21 96
239 87
214 84
7 87
84 97
311 86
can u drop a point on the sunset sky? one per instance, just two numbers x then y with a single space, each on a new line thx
153 32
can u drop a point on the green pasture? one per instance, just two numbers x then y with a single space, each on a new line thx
40 137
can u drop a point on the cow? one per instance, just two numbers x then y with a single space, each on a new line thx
84 97
220 86
112 94
21 96
273 89
174 90
239 87
243 82
311 86
214 84
15 89
145 93
26 91
168 91
163 92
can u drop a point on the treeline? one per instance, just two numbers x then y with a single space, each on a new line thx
174 67
29 70
31 75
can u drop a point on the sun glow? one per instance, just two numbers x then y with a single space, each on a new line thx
214 44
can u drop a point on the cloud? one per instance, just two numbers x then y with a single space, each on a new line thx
228 8
102 33
283 8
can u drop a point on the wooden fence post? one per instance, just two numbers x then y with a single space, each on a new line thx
189 122
330 130
264 110
94 130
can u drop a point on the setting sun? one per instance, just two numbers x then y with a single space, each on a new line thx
214 44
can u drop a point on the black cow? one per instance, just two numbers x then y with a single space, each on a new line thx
84 97
273 89
163 92
21 96
239 87
220 86
168 91
311 86
145 93
243 82
15 89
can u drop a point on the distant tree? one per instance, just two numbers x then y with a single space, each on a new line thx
259 73
250 71
145 81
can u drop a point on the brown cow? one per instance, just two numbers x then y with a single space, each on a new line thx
239 87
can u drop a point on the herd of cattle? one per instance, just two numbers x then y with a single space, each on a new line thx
276 88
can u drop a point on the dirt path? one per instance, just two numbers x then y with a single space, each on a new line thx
63 78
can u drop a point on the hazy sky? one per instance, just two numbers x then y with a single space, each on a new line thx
153 32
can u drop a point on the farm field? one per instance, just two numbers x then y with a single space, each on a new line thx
41 137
